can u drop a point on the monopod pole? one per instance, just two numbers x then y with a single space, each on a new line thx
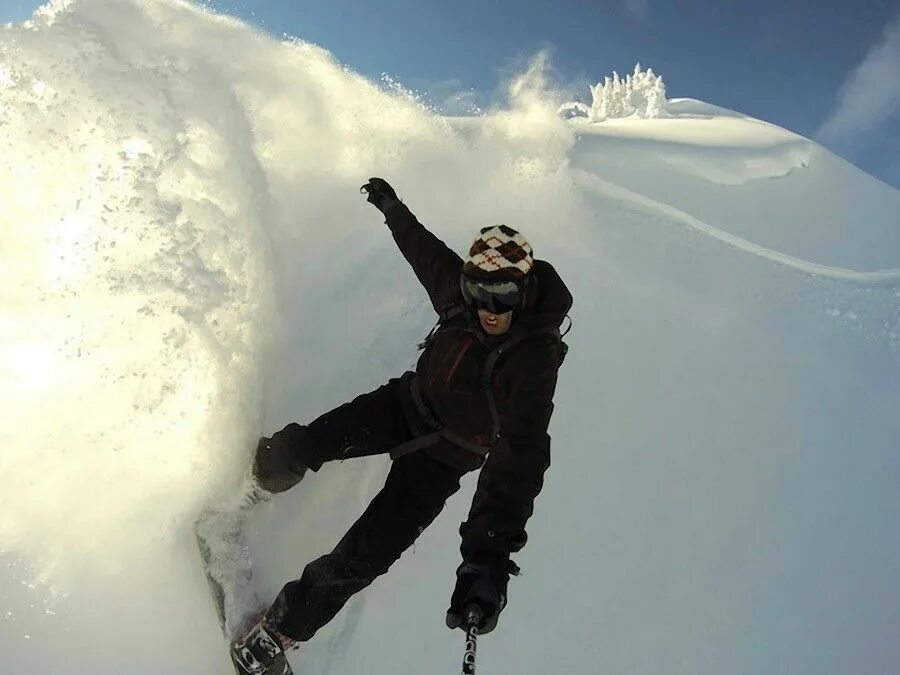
473 618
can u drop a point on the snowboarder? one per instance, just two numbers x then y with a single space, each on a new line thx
468 405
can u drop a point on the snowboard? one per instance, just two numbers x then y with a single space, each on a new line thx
228 567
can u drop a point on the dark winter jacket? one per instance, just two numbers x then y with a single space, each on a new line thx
449 375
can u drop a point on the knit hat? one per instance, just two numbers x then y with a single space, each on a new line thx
499 252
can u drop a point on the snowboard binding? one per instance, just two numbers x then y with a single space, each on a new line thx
260 652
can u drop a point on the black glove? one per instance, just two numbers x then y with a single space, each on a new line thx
480 586
381 194
278 465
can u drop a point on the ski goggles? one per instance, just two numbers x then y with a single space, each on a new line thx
497 297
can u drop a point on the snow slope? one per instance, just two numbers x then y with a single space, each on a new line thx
186 263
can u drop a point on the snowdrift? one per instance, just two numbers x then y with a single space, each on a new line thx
187 263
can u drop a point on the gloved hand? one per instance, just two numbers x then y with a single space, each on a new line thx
381 194
483 586
277 465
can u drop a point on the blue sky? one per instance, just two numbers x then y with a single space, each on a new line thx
826 69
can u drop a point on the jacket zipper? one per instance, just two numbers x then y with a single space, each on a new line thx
462 353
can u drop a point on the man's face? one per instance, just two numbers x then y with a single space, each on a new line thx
494 324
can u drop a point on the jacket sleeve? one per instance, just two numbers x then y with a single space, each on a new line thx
436 265
513 475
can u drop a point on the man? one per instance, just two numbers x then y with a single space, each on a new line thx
438 423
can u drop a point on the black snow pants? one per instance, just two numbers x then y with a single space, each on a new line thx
413 495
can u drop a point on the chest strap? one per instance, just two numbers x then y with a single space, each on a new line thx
438 430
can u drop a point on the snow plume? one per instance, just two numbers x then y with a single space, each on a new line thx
530 123
170 177
134 264
641 94
871 94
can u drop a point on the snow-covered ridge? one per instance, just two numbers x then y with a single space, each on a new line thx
768 171
725 149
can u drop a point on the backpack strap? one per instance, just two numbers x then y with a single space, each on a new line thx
444 316
491 363
504 347
436 430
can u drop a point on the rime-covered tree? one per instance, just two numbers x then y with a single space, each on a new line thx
641 94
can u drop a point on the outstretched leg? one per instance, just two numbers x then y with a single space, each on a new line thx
415 492
370 424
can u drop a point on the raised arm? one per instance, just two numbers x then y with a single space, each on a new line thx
436 265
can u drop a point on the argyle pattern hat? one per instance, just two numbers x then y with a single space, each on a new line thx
499 251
